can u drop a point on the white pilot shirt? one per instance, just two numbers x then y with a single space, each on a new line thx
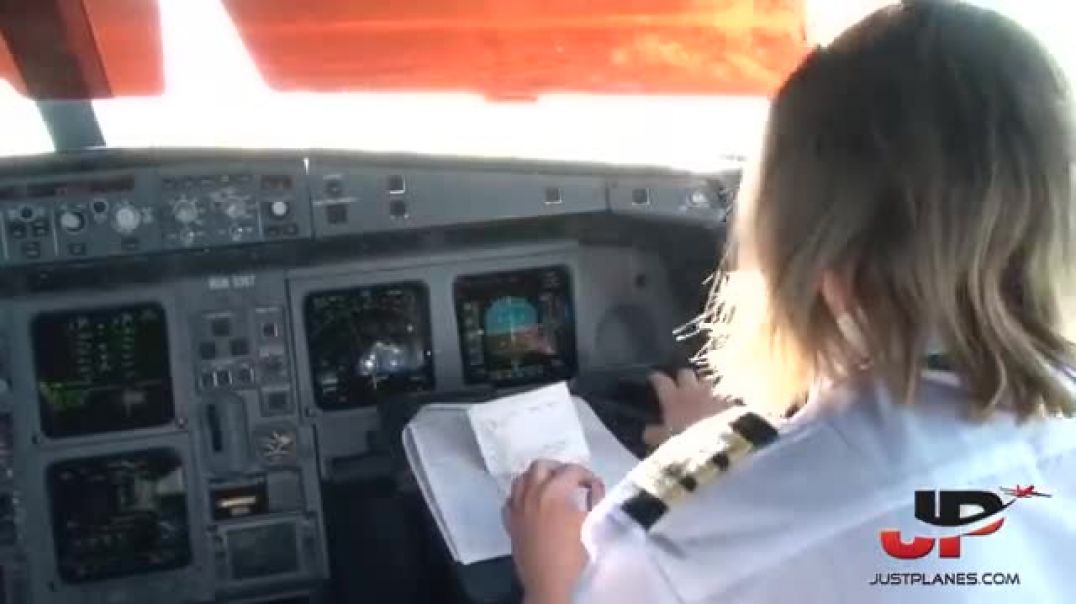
800 520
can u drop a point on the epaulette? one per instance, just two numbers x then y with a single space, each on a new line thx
694 458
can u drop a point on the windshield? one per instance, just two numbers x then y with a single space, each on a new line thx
215 94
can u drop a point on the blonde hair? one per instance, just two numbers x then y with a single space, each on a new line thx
924 158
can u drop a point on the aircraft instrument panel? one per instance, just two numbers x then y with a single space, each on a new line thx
206 358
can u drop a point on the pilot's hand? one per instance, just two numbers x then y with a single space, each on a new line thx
683 401
544 519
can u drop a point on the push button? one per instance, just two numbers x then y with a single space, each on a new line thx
239 347
220 327
270 329
336 213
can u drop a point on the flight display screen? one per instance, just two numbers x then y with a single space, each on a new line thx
368 343
102 370
119 515
516 327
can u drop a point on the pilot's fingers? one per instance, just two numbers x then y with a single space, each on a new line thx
532 480
595 494
686 378
664 387
655 434
567 479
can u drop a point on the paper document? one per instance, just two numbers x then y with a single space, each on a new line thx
514 431
464 498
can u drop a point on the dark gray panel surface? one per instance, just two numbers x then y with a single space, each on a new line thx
350 199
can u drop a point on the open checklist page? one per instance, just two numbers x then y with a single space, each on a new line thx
514 431
464 457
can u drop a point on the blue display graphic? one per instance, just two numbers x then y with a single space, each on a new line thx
516 327
510 315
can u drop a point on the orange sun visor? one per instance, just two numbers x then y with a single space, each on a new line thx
499 48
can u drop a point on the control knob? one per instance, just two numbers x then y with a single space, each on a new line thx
126 219
279 208
185 211
72 222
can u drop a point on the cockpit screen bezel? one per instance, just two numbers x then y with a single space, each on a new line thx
161 413
534 291
367 391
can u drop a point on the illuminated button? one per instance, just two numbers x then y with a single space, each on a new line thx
220 326
72 222
239 347
279 209
207 351
699 199
222 378
336 213
126 219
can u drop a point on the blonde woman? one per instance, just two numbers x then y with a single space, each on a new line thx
901 258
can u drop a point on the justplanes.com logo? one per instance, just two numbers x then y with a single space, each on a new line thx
954 510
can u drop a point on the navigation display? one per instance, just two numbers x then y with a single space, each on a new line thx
119 515
516 327
102 370
368 343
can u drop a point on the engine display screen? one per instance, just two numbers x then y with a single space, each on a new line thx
102 370
516 327
119 515
368 343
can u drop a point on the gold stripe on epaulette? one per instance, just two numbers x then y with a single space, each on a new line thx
692 459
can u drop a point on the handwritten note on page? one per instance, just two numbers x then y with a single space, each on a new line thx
515 430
